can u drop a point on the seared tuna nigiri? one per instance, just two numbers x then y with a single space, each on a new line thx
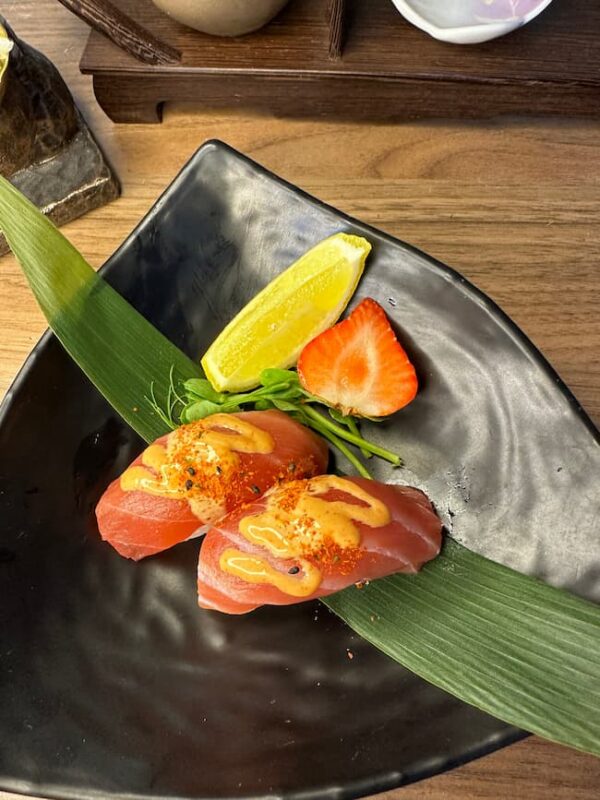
200 472
310 538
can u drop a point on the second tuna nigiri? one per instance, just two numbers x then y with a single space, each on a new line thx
314 537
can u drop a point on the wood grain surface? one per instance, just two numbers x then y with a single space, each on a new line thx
108 19
560 46
513 204
389 70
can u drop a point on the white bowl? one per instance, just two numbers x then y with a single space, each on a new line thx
469 21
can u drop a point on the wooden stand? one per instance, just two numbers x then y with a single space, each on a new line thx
389 70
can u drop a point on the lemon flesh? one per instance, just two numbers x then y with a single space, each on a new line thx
289 312
5 47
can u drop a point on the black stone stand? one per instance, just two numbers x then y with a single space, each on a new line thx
46 149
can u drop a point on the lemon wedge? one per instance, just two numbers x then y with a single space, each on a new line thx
289 312
6 46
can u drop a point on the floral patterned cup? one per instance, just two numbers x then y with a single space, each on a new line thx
469 21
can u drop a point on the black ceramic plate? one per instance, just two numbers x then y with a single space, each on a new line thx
113 683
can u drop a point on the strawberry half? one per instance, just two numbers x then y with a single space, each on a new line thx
359 366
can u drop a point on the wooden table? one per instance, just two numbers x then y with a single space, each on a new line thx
513 204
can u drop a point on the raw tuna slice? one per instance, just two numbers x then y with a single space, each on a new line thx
309 538
200 472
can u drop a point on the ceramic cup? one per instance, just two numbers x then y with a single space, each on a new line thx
469 21
222 17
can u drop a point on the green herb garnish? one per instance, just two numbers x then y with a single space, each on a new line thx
196 399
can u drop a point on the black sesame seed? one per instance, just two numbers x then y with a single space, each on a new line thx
191 471
294 570
219 471
255 489
188 485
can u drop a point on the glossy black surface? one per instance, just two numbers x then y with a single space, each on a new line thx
113 683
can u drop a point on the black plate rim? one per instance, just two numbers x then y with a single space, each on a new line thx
381 782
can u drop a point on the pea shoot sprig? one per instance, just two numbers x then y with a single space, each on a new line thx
280 389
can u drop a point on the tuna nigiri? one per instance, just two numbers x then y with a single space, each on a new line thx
310 538
200 472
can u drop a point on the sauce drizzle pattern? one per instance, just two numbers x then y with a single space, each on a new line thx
298 523
198 462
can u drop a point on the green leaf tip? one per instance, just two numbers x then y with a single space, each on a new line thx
120 351
510 645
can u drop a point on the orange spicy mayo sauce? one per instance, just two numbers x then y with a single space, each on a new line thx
299 524
199 463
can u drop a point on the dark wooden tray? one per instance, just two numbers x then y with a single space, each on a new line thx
389 69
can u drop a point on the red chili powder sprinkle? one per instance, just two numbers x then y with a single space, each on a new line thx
325 554
231 480
221 479
286 497
333 559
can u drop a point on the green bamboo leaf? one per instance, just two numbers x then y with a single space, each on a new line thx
510 645
119 350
